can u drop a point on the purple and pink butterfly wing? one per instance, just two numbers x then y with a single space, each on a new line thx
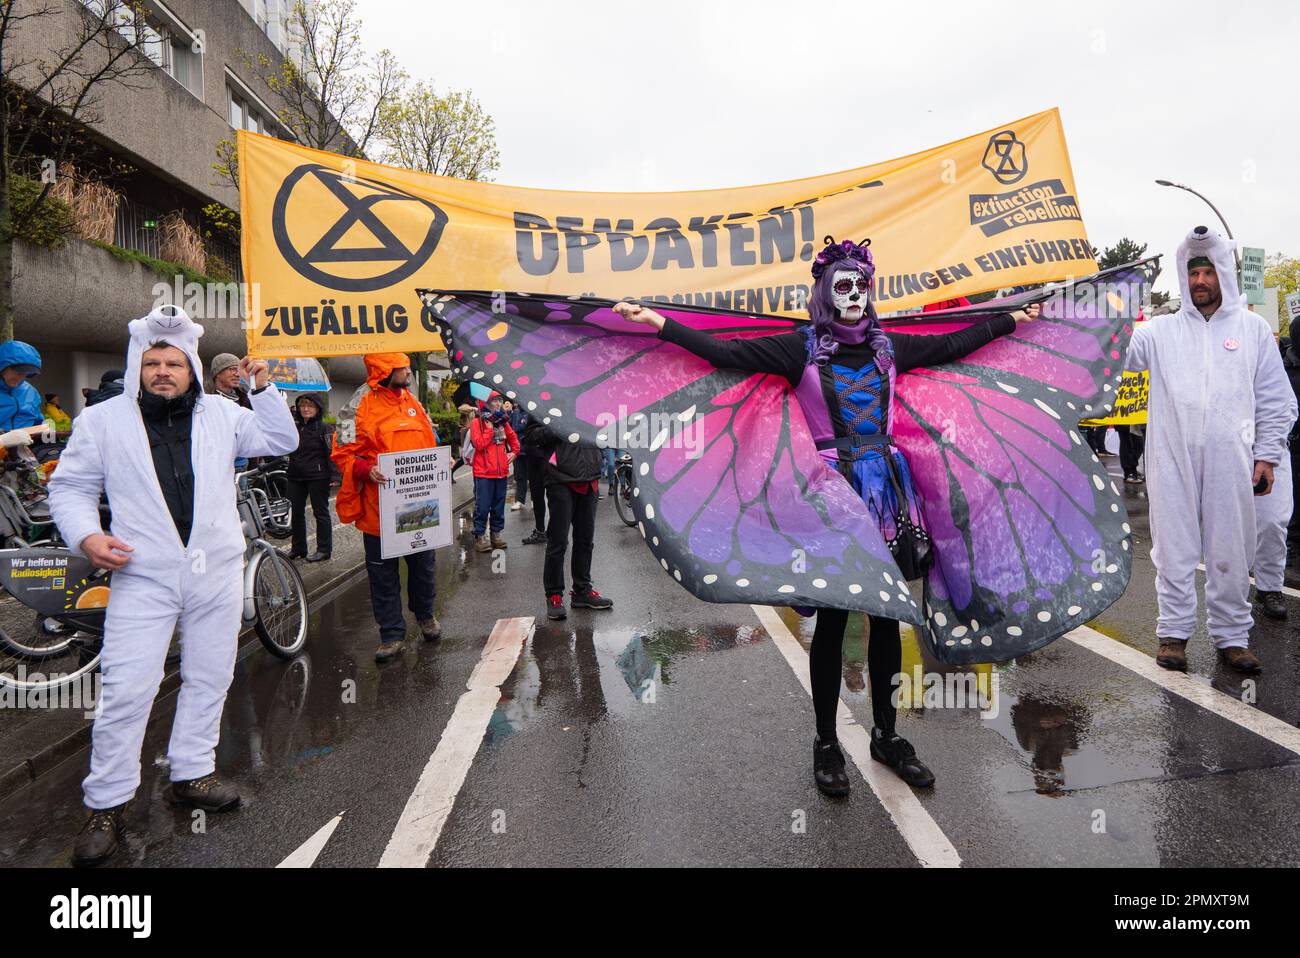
730 492
1030 531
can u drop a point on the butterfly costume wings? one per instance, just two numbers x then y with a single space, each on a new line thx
736 503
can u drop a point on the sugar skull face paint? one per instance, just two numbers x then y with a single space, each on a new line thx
849 293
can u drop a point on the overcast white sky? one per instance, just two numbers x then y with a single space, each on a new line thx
668 95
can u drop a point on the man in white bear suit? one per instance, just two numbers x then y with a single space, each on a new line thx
164 453
1221 407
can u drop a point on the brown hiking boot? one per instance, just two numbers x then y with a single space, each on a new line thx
98 840
498 540
208 793
1172 655
430 629
482 544
1241 660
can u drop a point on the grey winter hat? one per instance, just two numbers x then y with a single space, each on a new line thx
222 361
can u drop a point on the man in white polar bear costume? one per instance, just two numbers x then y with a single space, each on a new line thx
164 454
1221 407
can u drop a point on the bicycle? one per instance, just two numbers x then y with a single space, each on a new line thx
69 590
623 485
269 486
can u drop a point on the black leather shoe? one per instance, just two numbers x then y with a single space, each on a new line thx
536 537
897 752
828 768
297 555
98 840
208 793
1273 604
318 556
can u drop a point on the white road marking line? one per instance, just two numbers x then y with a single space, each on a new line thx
1194 689
417 831
923 836
1294 593
305 855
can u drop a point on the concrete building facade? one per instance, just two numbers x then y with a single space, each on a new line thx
73 303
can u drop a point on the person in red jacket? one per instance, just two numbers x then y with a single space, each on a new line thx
495 448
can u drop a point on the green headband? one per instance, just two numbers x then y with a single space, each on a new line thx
1198 261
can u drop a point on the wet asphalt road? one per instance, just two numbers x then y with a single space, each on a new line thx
672 732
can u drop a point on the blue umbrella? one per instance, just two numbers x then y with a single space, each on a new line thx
300 374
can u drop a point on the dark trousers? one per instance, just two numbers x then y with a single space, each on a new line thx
489 505
1130 449
318 490
521 480
576 509
826 668
537 486
386 588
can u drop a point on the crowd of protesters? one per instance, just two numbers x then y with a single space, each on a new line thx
505 449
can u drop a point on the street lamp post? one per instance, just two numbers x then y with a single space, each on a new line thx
1235 254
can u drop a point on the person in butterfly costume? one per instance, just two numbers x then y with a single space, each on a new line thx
843 367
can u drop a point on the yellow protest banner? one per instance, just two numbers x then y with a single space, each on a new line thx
1130 407
334 247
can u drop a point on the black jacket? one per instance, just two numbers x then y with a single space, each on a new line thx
110 385
311 460
1291 362
574 461
167 423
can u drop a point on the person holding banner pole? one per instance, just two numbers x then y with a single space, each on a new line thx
163 453
857 408
387 419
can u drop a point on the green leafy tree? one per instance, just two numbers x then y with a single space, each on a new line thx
447 134
1283 272
1125 251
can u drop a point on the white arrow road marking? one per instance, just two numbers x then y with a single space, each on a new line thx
923 836
304 856
1192 688
417 831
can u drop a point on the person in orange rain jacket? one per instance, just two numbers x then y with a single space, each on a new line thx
384 417
495 448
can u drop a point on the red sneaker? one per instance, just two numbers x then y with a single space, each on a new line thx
590 600
555 607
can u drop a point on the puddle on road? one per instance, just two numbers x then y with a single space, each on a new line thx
590 674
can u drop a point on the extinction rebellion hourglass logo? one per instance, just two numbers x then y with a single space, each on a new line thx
380 236
1005 158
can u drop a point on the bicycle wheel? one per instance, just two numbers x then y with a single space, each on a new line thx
280 607
623 498
47 638
79 658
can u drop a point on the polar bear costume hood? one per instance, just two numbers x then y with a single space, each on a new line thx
1202 241
165 324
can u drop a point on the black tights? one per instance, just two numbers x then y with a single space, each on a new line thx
826 665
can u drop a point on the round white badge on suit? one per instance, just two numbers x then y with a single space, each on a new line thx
1230 344
411 412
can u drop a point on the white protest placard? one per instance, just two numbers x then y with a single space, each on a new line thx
1293 308
415 503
